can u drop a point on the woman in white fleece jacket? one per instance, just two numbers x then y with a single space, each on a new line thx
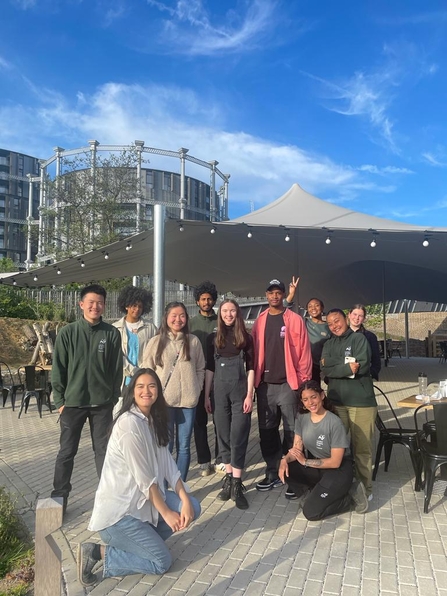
177 358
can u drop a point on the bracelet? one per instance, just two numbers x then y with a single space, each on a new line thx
305 463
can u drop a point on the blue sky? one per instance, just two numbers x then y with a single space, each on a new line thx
348 99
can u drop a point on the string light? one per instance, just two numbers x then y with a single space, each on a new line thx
249 235
82 264
373 243
35 278
181 228
426 242
14 283
106 256
213 230
287 238
59 271
129 245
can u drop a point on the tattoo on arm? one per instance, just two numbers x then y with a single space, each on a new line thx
298 443
314 463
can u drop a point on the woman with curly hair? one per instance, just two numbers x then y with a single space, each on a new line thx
134 329
320 460
134 512
177 357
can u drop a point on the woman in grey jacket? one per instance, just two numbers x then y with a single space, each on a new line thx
177 358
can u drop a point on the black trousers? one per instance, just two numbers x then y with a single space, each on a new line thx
232 425
201 433
329 488
72 421
275 402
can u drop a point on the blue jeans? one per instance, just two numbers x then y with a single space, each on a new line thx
181 425
134 546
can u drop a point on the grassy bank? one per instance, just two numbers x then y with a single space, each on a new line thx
16 552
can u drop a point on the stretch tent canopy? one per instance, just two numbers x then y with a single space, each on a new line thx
342 272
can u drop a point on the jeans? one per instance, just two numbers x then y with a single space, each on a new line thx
72 421
181 425
134 546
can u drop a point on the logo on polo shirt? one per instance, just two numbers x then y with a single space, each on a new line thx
102 345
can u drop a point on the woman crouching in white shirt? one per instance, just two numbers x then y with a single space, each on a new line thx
133 512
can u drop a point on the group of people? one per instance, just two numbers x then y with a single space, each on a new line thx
171 379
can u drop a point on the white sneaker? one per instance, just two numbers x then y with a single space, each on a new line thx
220 468
357 493
370 497
206 469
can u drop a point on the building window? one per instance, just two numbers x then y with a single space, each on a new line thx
166 181
150 178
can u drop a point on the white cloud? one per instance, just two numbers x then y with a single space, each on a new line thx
4 64
170 117
384 171
436 159
189 29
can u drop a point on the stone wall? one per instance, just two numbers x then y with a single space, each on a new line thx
426 330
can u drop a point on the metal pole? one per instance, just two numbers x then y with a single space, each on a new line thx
159 262
213 165
139 147
58 151
29 220
40 246
183 203
385 353
407 335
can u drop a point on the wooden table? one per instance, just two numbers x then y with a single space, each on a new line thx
412 402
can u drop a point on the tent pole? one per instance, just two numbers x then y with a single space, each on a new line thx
407 334
385 351
159 262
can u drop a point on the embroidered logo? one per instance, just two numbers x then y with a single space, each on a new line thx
102 345
323 495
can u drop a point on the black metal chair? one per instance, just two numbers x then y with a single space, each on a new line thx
36 385
443 351
7 384
396 434
434 452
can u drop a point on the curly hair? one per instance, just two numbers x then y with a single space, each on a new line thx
313 386
159 411
130 295
206 287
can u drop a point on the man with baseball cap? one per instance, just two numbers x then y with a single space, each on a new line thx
282 362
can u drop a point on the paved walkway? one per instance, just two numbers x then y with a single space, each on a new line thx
270 548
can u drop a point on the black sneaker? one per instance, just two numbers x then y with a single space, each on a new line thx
225 493
86 562
291 495
268 484
238 494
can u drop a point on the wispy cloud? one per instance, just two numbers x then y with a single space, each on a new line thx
189 28
24 4
4 64
260 169
437 159
384 171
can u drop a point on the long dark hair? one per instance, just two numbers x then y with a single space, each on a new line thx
158 419
314 386
163 333
240 332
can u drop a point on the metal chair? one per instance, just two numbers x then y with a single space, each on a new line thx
434 453
396 434
9 386
443 349
36 385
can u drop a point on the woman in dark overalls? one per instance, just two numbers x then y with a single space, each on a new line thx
230 364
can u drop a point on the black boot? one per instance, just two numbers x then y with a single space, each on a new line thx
225 493
238 494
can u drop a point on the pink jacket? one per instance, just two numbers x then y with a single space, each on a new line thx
296 349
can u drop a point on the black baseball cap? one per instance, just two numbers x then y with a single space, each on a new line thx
275 283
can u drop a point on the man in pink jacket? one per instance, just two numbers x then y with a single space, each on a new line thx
282 362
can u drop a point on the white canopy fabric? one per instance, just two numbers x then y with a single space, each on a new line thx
346 271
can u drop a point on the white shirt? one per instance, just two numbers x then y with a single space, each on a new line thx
134 461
